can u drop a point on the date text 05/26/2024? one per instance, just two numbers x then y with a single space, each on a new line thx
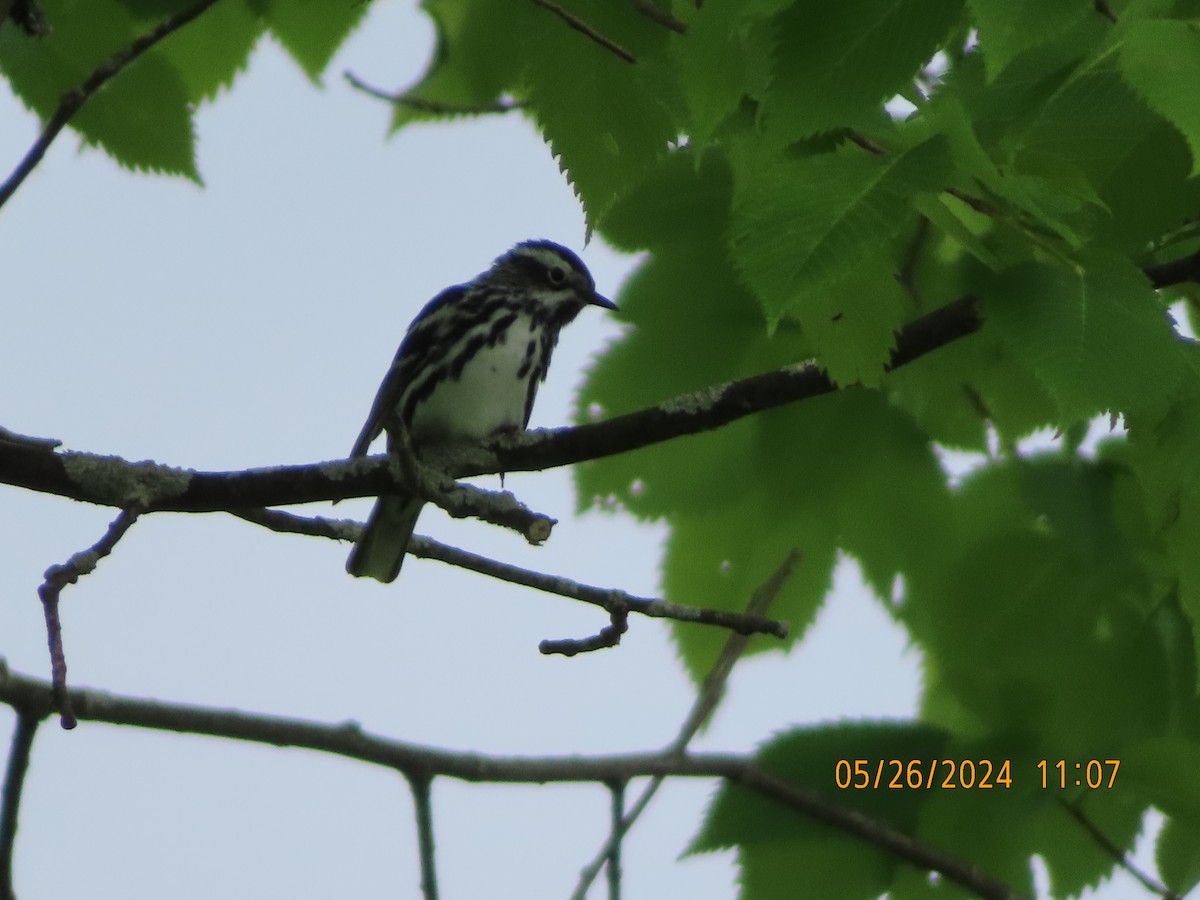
971 774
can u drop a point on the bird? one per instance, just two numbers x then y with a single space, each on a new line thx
468 369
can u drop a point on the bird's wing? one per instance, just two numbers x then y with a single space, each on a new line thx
427 331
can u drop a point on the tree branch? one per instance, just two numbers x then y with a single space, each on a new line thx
421 783
608 636
10 801
348 740
57 578
71 102
111 481
611 599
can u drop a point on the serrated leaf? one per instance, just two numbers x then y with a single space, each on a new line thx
210 52
1160 59
1164 771
1177 854
141 117
837 62
1009 27
1097 338
852 323
719 559
311 30
606 120
803 223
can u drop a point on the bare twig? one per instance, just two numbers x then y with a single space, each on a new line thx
421 783
711 691
10 802
659 16
430 106
58 577
609 599
585 29
617 789
609 636
72 100
35 696
1120 857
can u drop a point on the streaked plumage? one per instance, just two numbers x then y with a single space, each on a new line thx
469 367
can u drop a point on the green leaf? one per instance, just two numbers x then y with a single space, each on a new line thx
1036 555
210 52
311 30
1160 59
1010 27
141 117
607 120
852 323
800 224
779 849
1178 854
478 57
1097 338
836 63
1164 771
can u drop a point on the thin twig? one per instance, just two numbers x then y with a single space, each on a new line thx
72 100
711 691
1120 857
349 741
421 783
610 599
58 577
659 16
617 789
10 801
431 106
609 636
585 29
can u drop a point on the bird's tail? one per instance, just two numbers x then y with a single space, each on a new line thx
380 550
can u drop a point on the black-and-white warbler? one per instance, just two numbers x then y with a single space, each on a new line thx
469 368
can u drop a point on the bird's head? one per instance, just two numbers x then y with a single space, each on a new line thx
551 273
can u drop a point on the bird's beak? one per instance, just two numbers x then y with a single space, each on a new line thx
601 300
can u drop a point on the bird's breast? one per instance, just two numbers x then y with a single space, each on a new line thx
484 384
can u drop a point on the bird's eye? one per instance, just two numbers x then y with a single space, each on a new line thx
556 276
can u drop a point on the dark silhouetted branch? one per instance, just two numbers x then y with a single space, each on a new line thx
348 740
